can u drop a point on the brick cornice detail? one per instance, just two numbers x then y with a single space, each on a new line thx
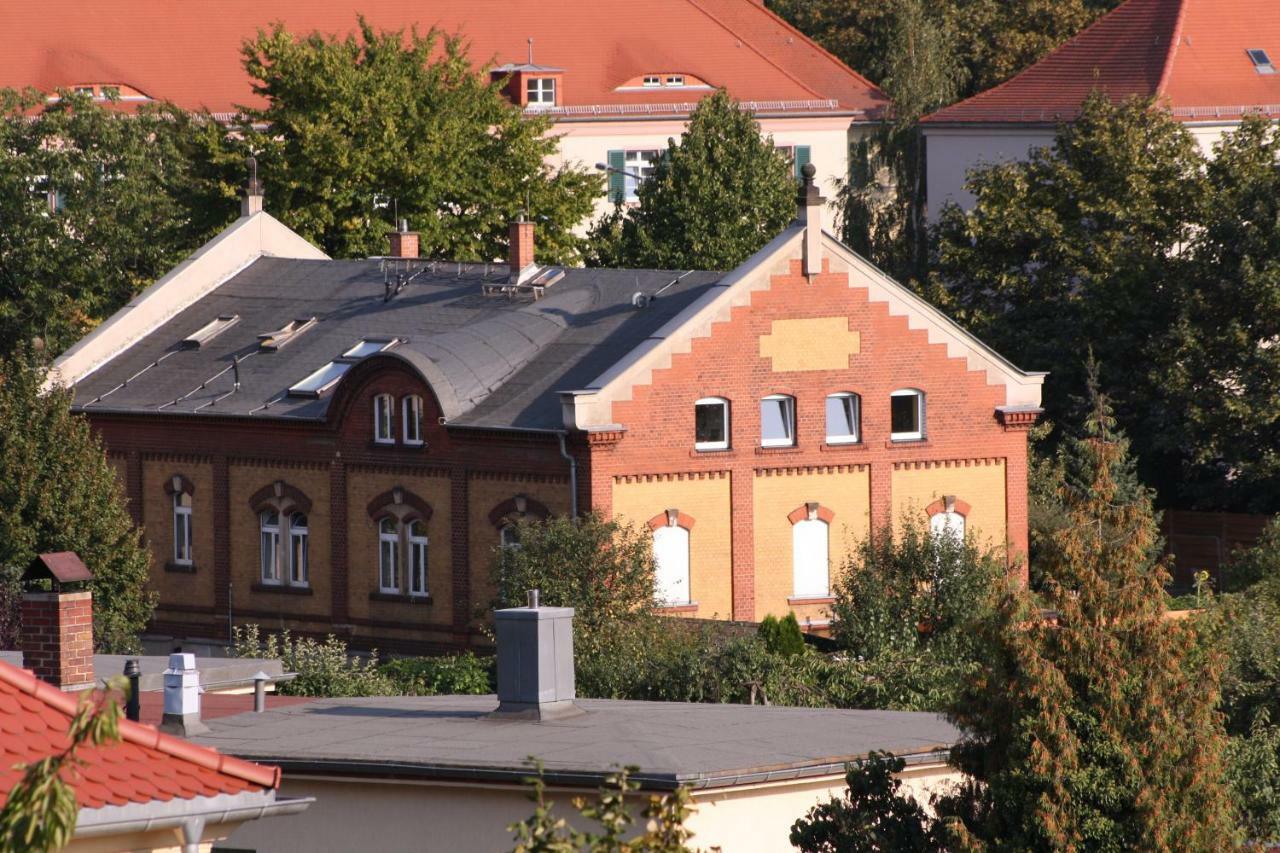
1017 419
516 477
424 471
663 519
280 494
670 478
384 503
802 512
940 505
605 438
510 510
950 463
800 470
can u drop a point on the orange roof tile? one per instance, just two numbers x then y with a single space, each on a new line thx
143 767
189 53
1189 54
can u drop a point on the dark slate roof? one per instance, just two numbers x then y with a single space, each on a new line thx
672 743
492 361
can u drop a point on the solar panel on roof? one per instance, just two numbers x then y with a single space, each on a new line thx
1261 61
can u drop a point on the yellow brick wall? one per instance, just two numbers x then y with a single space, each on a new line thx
483 495
362 548
844 489
704 497
815 343
157 518
978 482
246 562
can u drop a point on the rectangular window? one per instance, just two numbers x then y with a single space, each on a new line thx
639 166
671 554
299 558
842 418
675 80
270 528
182 529
1261 61
417 559
778 421
382 406
906 415
653 80
711 424
320 380
810 558
388 556
541 92
367 348
413 419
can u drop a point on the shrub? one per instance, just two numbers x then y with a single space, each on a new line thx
782 636
441 676
1253 770
1259 564
323 668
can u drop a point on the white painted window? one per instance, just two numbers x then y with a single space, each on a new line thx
778 421
388 556
947 524
269 529
638 167
412 419
417 558
509 536
810 561
541 92
906 415
652 80
182 528
675 79
671 553
711 424
382 407
844 410
299 551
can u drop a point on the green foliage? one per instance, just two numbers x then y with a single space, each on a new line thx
448 675
323 668
404 120
59 493
907 606
1259 564
1253 770
714 199
614 812
1098 730
874 815
782 636
41 811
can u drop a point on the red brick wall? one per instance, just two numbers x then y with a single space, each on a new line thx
57 637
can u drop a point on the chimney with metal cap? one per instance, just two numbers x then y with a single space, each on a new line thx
520 251
811 204
535 662
182 697
404 243
57 624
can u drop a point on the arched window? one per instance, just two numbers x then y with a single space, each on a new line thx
778 421
906 415
412 419
269 528
671 554
417 558
182 528
711 424
844 413
947 523
509 536
810 560
388 556
299 534
382 407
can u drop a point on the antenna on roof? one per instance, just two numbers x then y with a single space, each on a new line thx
252 201
530 50
235 372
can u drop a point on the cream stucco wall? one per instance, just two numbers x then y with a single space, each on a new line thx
951 152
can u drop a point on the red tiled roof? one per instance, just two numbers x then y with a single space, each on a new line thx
189 52
1189 54
145 766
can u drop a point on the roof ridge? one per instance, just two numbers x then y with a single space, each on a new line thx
1167 70
139 734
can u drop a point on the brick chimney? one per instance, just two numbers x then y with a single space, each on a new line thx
520 253
404 243
57 625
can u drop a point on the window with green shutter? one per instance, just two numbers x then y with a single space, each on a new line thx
801 159
617 180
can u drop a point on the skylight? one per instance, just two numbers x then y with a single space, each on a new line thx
367 348
1261 61
272 341
209 331
321 380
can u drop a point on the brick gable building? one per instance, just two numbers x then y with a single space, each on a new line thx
338 445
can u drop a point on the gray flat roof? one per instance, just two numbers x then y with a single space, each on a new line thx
214 672
672 743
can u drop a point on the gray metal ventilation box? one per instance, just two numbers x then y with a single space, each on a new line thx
535 662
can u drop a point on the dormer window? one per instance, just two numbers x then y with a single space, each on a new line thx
651 80
675 80
1261 61
541 92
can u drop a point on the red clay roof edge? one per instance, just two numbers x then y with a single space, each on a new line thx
1173 48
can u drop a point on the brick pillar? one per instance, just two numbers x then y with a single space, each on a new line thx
221 547
460 548
881 481
133 485
404 244
339 579
57 637
744 555
1015 502
520 254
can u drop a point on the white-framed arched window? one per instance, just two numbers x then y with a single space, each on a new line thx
299 549
711 424
906 415
412 419
417 534
778 421
810 558
269 536
947 523
671 556
182 528
844 414
388 556
382 409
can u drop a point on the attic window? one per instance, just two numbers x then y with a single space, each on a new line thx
652 80
321 380
368 347
272 341
675 79
1261 61
209 331
541 92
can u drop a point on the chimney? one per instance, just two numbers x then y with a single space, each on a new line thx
251 198
404 243
520 253
535 662
57 625
810 215
182 697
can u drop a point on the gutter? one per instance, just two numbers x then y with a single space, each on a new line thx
190 816
573 475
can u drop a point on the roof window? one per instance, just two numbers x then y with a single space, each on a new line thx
368 347
286 334
1261 61
321 380
651 80
209 331
675 80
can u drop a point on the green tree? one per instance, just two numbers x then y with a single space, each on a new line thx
782 636
59 493
714 199
1098 729
378 123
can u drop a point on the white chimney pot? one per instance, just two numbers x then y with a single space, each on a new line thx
182 685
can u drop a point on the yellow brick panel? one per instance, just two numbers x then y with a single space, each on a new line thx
845 490
978 482
157 518
484 494
705 497
815 343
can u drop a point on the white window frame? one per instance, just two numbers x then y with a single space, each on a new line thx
672 565
724 408
788 421
299 549
269 548
851 406
947 523
182 529
638 161
540 92
674 80
914 435
412 419
419 552
810 579
383 428
651 80
388 556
